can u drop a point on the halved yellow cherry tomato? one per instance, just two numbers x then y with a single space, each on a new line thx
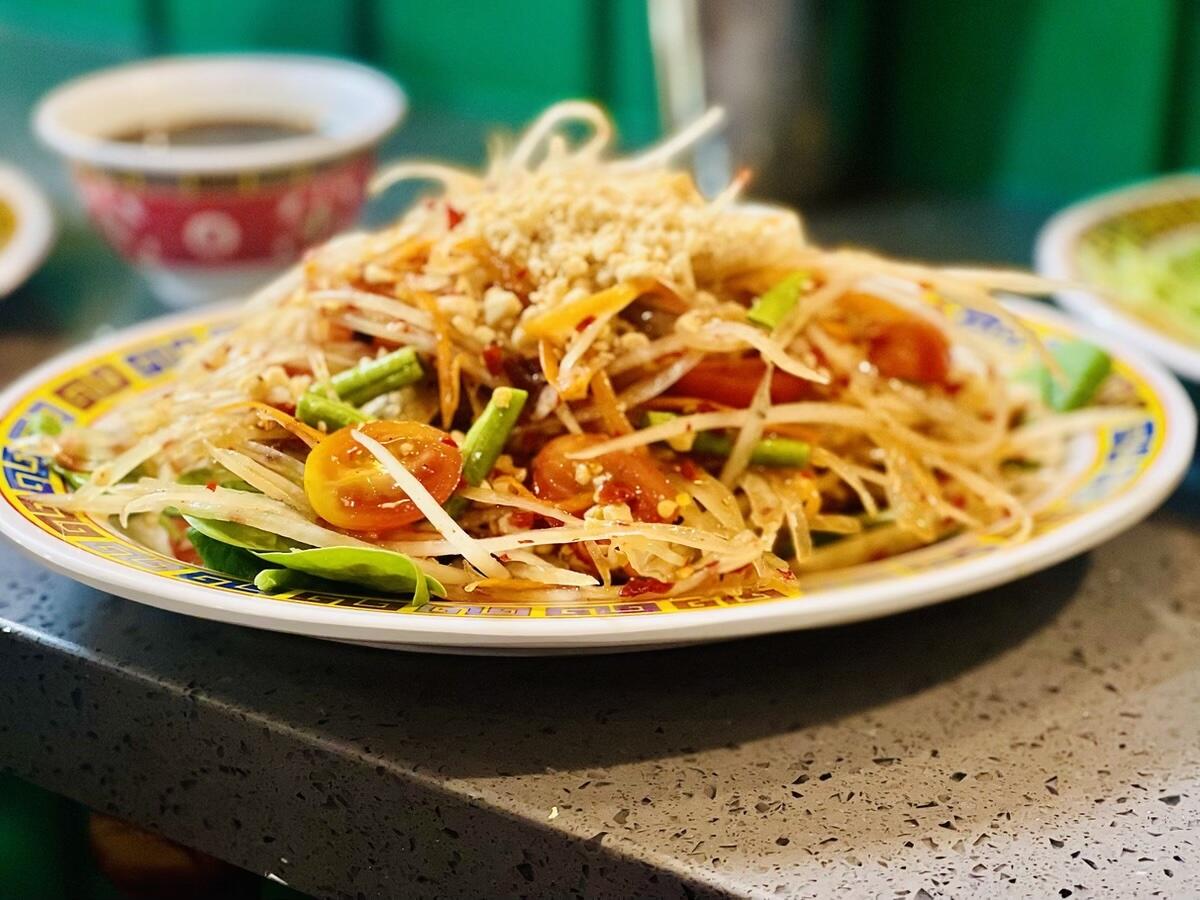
348 487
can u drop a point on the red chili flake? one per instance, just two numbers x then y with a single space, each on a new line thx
637 586
689 469
449 441
493 358
212 486
588 320
612 492
522 518
453 216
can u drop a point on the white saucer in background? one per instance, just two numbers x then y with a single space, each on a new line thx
26 228
1132 217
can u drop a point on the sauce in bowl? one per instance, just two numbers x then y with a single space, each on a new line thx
213 133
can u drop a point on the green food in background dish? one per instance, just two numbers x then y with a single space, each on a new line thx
1157 279
8 223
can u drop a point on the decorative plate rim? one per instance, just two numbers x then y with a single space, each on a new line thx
1055 256
824 606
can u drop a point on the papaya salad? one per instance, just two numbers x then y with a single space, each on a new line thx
572 376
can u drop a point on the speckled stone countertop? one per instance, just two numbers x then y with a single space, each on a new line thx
1041 739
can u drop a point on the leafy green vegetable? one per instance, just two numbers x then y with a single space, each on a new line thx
279 581
771 307
380 570
315 410
1084 365
236 535
219 476
226 558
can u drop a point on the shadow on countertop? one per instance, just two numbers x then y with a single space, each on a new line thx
488 716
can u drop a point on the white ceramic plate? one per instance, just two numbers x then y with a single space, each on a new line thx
1134 217
26 228
1112 477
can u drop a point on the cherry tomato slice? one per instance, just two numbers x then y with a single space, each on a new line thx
633 474
911 350
348 487
899 344
732 380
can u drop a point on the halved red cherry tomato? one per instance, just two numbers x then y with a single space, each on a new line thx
899 344
732 380
350 489
912 350
634 475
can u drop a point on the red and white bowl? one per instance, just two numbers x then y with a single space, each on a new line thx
203 222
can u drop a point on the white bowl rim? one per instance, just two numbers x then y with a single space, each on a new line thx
1053 257
375 120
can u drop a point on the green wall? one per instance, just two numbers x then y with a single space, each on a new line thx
1037 98
1040 100
486 60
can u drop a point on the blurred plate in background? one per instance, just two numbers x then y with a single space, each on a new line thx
26 228
1139 247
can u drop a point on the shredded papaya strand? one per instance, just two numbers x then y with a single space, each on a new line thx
514 585
517 489
474 246
838 330
686 404
306 433
548 360
758 280
560 320
799 432
509 483
409 251
614 419
454 395
662 296
578 388
449 386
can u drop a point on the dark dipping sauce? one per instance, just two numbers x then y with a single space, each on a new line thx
214 132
